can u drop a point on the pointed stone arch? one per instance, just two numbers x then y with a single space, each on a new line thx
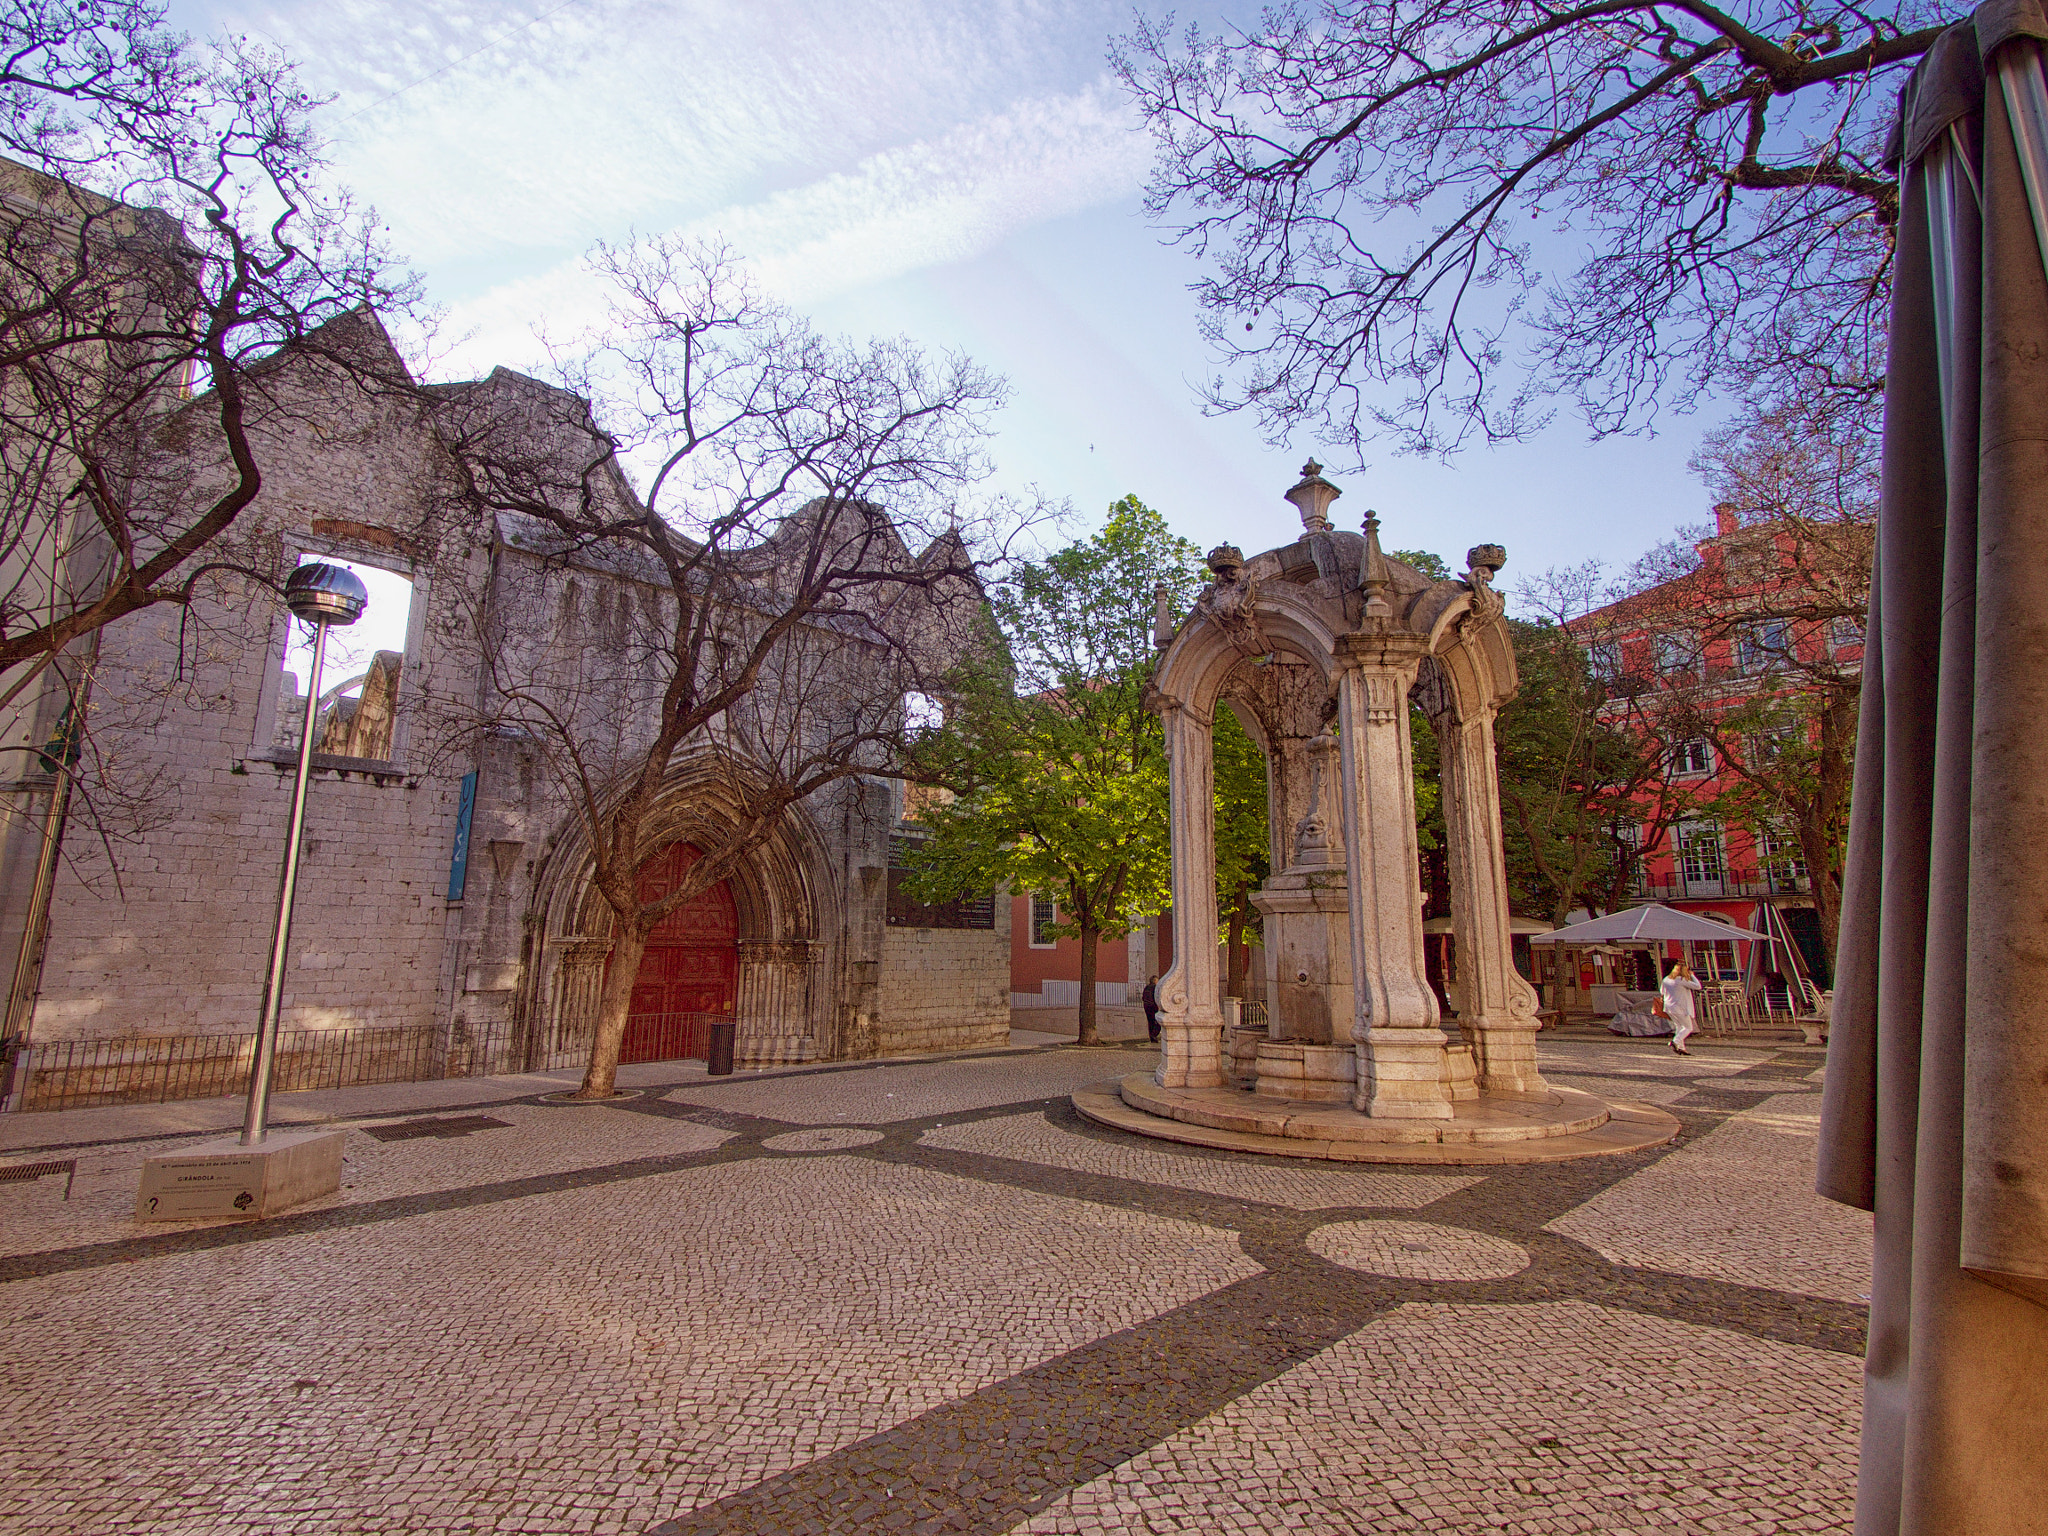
789 961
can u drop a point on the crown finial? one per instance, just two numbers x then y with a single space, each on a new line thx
1312 498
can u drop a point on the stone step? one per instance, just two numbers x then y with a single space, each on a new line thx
1557 1126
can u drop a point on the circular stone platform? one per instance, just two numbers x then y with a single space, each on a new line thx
568 1096
1554 1126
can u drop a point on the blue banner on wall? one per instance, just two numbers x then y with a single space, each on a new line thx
458 868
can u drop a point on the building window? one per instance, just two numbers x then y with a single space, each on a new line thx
1676 653
1630 835
1845 633
1762 646
1771 745
1692 759
1713 959
1045 912
1699 854
1604 657
922 714
362 674
1784 867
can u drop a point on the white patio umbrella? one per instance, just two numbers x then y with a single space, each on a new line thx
1649 924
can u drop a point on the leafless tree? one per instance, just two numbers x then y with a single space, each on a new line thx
1769 605
1429 219
1586 797
166 239
778 629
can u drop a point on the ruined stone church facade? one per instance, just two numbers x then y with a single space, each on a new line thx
446 882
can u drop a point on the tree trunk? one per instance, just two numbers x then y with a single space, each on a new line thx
1813 848
629 943
1234 948
1090 938
1436 868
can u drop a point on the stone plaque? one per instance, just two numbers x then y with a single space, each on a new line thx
200 1188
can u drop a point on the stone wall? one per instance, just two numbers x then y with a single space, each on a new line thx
181 949
944 989
170 935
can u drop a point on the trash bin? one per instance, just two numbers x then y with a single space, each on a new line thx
718 1060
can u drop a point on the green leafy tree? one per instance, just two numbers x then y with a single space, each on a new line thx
1428 564
1057 767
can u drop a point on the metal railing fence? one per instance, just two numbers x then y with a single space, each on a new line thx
152 1069
89 1073
668 1036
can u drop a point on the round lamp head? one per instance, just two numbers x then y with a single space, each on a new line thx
326 594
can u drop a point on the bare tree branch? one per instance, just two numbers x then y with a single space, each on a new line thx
754 622
1427 222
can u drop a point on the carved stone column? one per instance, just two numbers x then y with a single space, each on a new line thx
579 986
1190 1011
1401 1064
773 1014
1498 1013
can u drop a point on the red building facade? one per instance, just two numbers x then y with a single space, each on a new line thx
1735 661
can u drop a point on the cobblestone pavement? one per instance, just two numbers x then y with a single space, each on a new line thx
928 1297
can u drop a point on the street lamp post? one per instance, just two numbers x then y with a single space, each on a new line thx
323 596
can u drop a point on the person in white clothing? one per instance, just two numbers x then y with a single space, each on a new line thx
1677 994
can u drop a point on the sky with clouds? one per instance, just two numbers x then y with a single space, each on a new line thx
965 174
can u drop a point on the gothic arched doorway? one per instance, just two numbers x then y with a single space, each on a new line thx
690 972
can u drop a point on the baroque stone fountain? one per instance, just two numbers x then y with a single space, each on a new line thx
1319 648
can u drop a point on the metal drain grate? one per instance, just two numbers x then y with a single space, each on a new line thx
445 1127
23 1173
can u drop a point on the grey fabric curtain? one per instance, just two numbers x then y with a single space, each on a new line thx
1935 1110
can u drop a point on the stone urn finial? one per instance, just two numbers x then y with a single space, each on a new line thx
1162 617
1312 498
1482 564
1486 558
1373 575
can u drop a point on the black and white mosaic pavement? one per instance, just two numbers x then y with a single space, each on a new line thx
928 1297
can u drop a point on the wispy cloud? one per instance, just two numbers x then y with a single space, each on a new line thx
943 199
527 136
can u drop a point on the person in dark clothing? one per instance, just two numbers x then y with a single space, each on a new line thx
1151 1000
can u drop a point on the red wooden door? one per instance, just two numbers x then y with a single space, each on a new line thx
691 968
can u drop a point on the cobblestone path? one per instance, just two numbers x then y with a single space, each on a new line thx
928 1297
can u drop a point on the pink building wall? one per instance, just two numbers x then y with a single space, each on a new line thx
1029 967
